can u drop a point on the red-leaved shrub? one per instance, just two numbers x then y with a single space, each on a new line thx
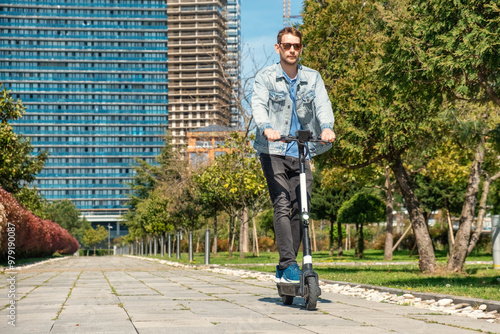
33 236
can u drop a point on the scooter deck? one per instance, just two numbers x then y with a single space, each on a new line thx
288 289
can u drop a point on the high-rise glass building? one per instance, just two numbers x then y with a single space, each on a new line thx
93 77
101 87
234 58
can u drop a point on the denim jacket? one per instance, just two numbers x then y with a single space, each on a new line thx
272 107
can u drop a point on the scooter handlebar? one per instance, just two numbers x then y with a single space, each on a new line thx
312 139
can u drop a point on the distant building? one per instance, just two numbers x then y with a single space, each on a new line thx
93 77
199 93
204 143
103 80
234 59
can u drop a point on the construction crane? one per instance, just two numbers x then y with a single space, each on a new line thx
287 17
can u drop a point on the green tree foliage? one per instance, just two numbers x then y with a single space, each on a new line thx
362 208
92 237
234 181
168 168
266 221
32 200
68 217
326 199
156 194
152 214
17 164
385 109
452 45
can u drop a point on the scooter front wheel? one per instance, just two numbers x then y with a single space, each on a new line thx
312 293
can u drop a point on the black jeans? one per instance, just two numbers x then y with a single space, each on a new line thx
282 175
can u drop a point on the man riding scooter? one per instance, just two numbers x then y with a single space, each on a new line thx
288 97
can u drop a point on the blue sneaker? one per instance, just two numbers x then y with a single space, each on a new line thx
291 274
279 274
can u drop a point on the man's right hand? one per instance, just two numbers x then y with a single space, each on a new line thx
272 135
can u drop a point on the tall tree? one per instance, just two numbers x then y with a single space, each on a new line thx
92 237
18 164
453 45
158 184
377 118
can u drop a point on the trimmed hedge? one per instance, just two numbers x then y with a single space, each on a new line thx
34 237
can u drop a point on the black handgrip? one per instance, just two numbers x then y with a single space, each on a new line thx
289 139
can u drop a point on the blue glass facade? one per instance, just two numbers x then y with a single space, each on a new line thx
93 77
234 56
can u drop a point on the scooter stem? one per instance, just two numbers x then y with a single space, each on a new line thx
306 241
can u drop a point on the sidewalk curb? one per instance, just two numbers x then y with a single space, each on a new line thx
33 264
474 302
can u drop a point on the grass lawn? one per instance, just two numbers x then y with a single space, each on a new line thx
26 261
478 280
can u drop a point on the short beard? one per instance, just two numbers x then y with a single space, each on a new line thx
287 61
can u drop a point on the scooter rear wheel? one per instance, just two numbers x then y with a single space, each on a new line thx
287 300
312 293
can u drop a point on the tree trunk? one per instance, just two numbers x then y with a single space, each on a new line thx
361 242
214 249
197 243
314 247
427 258
255 237
389 236
330 248
244 237
243 233
459 250
348 238
482 211
451 237
230 236
340 251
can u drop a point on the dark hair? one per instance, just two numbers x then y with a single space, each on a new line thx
291 31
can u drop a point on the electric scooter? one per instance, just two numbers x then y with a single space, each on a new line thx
308 287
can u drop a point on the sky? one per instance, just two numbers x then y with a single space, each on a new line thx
260 22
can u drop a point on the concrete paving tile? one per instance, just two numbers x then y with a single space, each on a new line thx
264 326
26 327
157 298
355 329
101 327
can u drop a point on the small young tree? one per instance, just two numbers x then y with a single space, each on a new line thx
68 217
93 237
362 208
326 201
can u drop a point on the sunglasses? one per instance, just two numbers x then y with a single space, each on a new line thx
288 46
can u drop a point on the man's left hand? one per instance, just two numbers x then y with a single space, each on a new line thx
328 135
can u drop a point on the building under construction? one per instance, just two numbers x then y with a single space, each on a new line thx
199 90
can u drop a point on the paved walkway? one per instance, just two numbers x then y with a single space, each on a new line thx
130 295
